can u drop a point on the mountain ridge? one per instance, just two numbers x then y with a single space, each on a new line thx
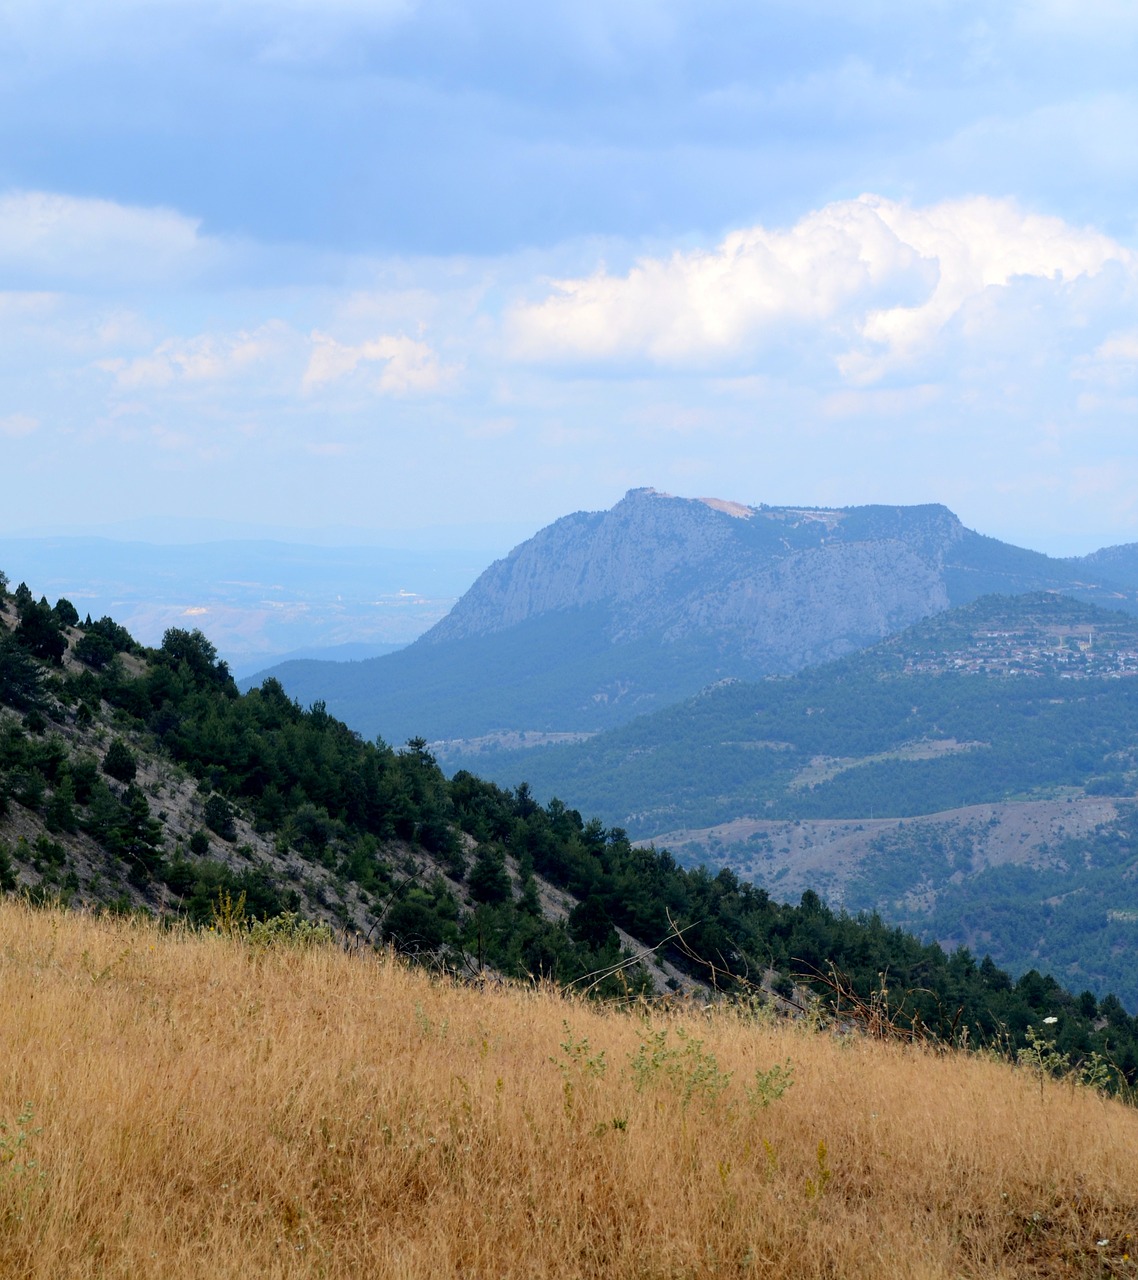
602 616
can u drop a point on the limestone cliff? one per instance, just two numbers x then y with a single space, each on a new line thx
781 586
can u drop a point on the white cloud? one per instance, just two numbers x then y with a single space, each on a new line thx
977 243
204 358
1121 347
877 279
1113 363
17 425
408 365
1085 21
80 241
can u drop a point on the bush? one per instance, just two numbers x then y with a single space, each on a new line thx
199 844
119 762
289 930
219 817
94 650
414 925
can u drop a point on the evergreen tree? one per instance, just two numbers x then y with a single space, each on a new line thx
66 613
488 879
119 762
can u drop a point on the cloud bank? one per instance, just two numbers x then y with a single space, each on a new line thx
877 280
973 351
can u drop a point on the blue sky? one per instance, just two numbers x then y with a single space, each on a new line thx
391 264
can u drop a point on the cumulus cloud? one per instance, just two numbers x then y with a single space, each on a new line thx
204 358
49 237
877 279
408 365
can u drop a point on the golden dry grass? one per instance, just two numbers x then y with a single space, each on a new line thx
208 1110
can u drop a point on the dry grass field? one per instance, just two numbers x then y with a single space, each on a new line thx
179 1104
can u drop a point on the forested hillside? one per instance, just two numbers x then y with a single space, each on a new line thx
1024 702
97 735
1005 697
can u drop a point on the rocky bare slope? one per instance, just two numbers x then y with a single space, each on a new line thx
781 587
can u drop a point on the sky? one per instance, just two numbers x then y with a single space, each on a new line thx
418 265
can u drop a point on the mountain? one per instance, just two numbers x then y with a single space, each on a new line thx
971 778
603 616
1119 564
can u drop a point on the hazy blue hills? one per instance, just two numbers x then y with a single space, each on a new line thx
1000 698
603 616
259 600
554 672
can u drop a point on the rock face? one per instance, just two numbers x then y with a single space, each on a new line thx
606 615
782 587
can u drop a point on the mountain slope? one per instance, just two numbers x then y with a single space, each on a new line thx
262 806
179 1104
604 615
929 719
969 778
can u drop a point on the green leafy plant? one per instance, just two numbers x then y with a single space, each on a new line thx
579 1065
288 929
580 1057
16 1164
1042 1057
687 1066
770 1085
227 913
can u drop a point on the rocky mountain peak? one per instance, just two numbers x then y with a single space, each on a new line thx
801 582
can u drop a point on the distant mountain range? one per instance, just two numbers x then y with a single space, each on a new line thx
603 616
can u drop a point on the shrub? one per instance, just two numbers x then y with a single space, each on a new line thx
289 930
219 817
94 650
119 762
